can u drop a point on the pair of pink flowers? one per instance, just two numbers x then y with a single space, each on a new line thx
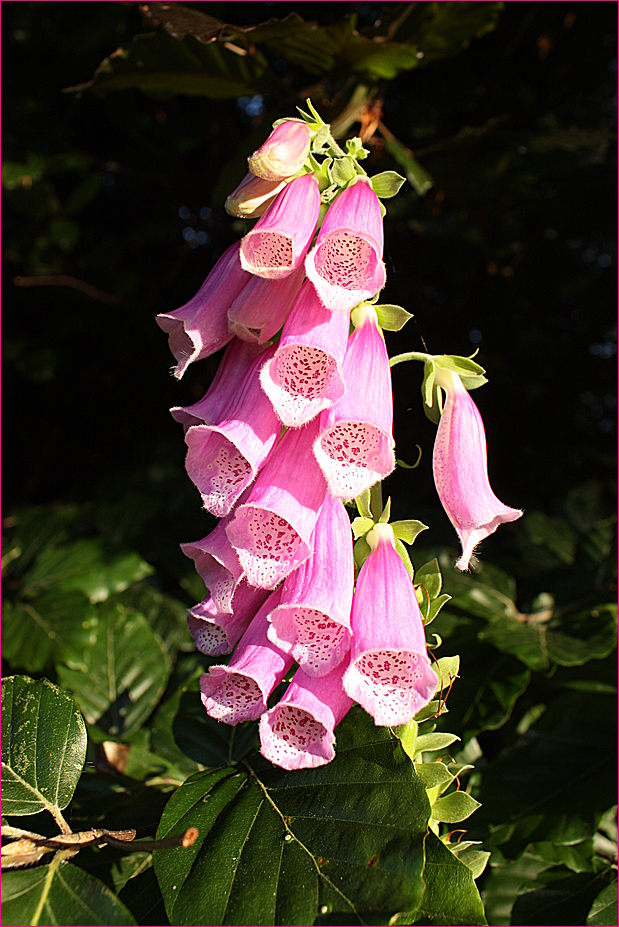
279 565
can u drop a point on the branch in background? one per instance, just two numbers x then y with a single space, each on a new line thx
73 282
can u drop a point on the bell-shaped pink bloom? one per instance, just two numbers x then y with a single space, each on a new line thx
261 308
297 733
283 153
272 531
232 371
355 447
200 327
214 632
390 674
279 240
305 376
312 620
252 197
346 264
239 691
460 465
223 459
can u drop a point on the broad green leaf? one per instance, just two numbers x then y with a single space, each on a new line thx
59 894
122 673
451 896
45 628
342 171
349 834
554 534
386 185
166 616
429 575
43 746
87 566
435 607
559 901
162 67
392 318
408 530
457 806
604 908
446 668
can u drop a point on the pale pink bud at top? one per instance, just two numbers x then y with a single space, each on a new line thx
200 327
252 197
297 733
214 632
261 308
239 691
312 620
355 447
346 264
233 368
460 465
223 459
284 152
272 531
305 376
390 674
279 240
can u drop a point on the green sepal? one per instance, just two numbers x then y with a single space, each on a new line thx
430 392
354 147
473 382
383 209
363 504
303 121
438 640
385 515
406 560
430 743
361 526
408 529
343 171
434 774
407 466
455 807
361 552
463 366
387 184
320 139
446 670
392 318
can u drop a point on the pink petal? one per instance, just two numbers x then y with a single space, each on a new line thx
284 152
260 309
252 197
215 632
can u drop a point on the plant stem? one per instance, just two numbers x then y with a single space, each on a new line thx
410 356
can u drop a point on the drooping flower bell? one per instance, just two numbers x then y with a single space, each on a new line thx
305 376
460 465
297 733
284 152
355 447
223 459
312 620
278 242
252 197
272 530
346 264
261 308
217 564
214 632
200 327
390 674
239 691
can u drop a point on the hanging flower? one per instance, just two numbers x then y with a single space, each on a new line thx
284 152
252 197
460 465
390 673
214 632
346 264
261 308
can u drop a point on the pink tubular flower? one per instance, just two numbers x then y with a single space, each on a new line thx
297 733
305 376
223 459
355 443
312 620
460 465
271 532
239 691
214 632
261 308
200 327
346 264
252 197
284 152
389 674
232 370
279 240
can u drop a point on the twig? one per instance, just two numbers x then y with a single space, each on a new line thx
73 282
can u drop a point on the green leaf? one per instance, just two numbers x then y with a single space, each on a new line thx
457 806
435 607
475 860
122 673
276 847
342 171
45 628
560 901
434 775
392 318
165 615
59 894
363 504
451 896
463 366
361 526
163 67
386 185
429 575
87 566
43 746
406 560
408 530
604 908
417 176
446 668
432 742
362 551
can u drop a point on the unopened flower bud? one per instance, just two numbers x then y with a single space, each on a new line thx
253 196
284 152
